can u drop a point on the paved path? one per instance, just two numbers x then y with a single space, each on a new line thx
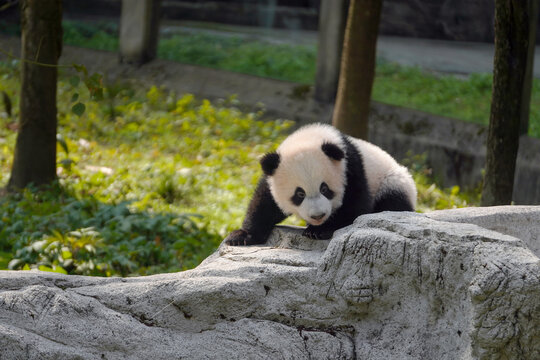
444 56
438 55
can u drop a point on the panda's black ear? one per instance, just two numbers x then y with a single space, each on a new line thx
269 163
333 151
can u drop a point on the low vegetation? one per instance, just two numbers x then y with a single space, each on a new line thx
149 181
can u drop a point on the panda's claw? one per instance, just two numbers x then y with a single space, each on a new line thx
239 238
316 234
308 232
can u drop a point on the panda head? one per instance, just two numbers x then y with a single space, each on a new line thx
306 176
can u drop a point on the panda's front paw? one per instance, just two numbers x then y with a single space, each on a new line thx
313 232
239 238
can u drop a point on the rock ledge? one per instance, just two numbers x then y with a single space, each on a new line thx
390 286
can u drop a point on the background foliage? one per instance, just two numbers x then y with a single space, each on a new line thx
462 97
133 170
466 98
150 181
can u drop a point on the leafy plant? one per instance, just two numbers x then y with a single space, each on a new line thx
135 179
74 252
133 172
108 238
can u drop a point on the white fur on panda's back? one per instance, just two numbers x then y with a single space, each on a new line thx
383 173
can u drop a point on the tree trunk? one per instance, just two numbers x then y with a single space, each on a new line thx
35 151
527 83
357 68
511 43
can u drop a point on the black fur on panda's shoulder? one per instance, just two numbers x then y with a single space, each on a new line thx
356 198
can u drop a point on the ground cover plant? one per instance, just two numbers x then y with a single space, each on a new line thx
148 181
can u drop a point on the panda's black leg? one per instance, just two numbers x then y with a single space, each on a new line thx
394 200
261 217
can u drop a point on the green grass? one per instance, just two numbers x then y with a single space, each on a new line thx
221 52
150 182
443 95
133 169
100 36
284 62
466 99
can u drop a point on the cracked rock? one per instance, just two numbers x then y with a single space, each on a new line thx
459 284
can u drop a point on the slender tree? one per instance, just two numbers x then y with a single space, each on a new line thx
527 84
35 150
357 68
512 28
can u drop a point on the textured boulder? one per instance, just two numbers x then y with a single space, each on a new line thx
390 286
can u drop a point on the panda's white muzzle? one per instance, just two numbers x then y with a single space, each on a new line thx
315 210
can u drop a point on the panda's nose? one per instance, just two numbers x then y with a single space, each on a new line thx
318 216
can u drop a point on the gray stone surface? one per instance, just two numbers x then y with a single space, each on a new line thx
390 286
522 222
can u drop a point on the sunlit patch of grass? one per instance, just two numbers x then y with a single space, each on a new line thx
278 61
466 99
148 156
148 181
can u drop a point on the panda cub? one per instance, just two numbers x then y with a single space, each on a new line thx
326 178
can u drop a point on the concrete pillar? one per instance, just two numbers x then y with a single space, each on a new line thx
332 21
139 31
266 13
527 83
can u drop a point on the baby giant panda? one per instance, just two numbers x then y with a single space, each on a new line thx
328 179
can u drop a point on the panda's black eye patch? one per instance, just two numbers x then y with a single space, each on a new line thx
325 190
298 197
